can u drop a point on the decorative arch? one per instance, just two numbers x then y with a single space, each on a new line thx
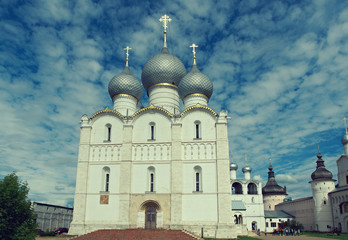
150 203
198 179
105 179
237 188
252 188
151 173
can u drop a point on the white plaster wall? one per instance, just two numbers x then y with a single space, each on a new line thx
199 207
342 167
337 198
99 132
165 97
269 201
142 130
194 100
322 211
140 178
208 130
96 212
124 103
96 180
302 210
208 177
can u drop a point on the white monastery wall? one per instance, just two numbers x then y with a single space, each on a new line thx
102 213
140 178
302 209
339 203
342 167
208 177
199 208
99 130
270 201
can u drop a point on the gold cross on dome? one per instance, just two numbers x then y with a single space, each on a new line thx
165 19
246 160
345 124
127 54
194 49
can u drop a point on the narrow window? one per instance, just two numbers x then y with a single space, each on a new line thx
347 179
151 182
152 131
105 179
107 182
108 132
198 179
151 179
198 130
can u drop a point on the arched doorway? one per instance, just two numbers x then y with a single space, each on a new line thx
150 217
254 225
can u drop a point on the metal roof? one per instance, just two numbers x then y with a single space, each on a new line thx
238 205
277 214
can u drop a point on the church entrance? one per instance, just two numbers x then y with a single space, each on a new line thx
150 217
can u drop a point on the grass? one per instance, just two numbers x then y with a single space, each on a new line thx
238 238
325 235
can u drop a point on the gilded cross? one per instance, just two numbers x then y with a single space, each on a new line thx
246 160
345 124
194 52
165 19
127 53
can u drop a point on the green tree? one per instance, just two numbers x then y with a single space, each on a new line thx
17 219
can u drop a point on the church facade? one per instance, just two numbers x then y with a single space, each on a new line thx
158 166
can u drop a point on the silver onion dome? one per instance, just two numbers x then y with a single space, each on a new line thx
246 169
344 139
163 68
125 83
195 82
233 166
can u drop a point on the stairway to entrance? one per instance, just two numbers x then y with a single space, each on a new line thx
137 234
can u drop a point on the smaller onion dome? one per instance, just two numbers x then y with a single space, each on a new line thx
321 172
344 139
246 169
233 166
195 82
125 83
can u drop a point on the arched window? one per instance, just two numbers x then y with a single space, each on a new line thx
237 188
108 132
106 179
252 188
197 126
151 178
198 178
152 131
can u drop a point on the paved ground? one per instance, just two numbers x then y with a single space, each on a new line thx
54 238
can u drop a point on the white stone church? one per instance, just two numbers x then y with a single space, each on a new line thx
159 166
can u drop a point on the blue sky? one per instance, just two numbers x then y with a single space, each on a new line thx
280 69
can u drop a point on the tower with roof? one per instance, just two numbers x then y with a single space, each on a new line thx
339 196
272 192
157 166
322 183
247 203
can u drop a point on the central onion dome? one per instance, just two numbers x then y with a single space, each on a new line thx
125 83
195 82
163 68
321 172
